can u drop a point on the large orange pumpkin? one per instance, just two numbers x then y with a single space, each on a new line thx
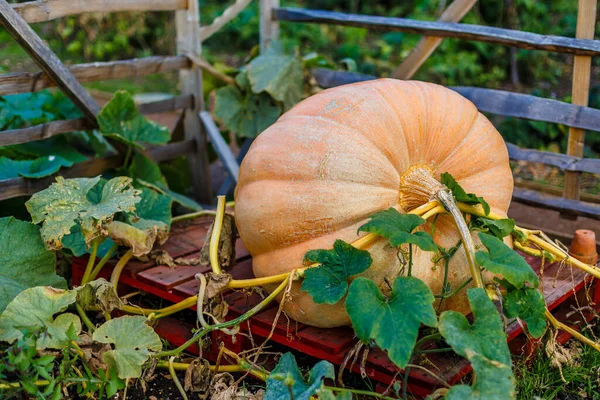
336 158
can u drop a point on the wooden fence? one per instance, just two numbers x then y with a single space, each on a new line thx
196 123
577 116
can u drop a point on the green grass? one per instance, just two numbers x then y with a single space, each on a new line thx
539 379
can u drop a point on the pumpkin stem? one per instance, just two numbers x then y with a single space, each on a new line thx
448 202
419 186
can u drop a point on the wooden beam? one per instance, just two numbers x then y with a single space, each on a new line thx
49 129
17 187
498 102
567 206
269 25
47 10
586 21
427 45
562 161
524 40
48 61
220 146
189 42
228 14
25 82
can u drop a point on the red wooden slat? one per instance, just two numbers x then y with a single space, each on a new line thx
331 340
166 278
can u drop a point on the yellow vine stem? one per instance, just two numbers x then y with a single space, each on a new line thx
559 325
549 247
193 215
175 379
360 243
100 264
116 274
90 265
216 236
433 211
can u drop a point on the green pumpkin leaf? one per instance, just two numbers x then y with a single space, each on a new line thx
501 259
328 283
121 120
65 203
484 344
38 168
24 261
133 342
245 113
499 228
326 394
148 173
98 293
33 309
460 195
527 304
398 229
279 75
140 237
394 321
287 375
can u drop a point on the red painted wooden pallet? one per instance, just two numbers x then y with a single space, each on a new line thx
562 287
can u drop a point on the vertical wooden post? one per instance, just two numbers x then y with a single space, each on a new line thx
586 20
427 45
189 42
269 28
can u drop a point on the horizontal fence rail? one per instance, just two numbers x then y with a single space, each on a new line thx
568 206
25 82
498 102
17 187
524 40
526 107
49 129
47 10
562 161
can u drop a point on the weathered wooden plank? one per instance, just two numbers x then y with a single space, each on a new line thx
228 184
563 161
48 61
189 42
553 190
567 206
524 40
47 10
23 82
220 146
228 14
427 45
328 78
269 25
16 187
49 129
509 104
499 102
582 66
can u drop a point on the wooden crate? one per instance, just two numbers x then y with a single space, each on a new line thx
562 287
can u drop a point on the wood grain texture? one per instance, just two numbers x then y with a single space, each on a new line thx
39 51
269 25
524 40
586 21
498 102
427 45
220 146
47 10
567 206
563 161
189 42
23 82
17 187
49 129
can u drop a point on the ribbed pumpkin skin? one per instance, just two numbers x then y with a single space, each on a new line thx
336 158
